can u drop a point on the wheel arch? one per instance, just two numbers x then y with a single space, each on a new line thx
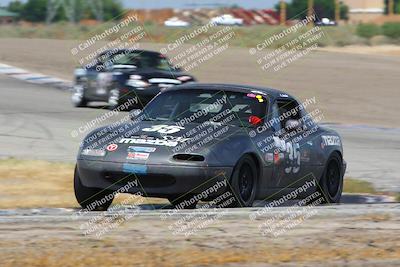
342 162
258 163
337 152
322 182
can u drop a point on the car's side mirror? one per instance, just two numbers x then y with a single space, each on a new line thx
292 124
134 113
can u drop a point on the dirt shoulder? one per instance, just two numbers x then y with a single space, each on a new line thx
362 234
382 50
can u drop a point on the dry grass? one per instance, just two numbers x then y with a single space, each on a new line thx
37 183
382 217
109 254
358 186
33 183
247 36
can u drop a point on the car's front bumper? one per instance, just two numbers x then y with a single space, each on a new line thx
153 180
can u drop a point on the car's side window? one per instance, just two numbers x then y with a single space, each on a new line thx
274 118
288 110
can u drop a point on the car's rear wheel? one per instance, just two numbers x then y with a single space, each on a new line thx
93 199
331 183
78 97
244 182
183 202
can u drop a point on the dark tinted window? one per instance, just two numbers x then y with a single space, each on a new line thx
138 59
198 106
290 108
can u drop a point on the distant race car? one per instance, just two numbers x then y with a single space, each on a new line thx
252 142
326 22
228 20
176 22
118 75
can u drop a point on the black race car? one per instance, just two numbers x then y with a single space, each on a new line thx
117 76
199 141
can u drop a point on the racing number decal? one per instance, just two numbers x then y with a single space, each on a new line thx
293 151
292 154
163 129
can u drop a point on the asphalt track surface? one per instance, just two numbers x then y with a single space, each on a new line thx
39 122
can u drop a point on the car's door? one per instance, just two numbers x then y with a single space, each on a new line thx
91 76
99 78
288 169
270 144
295 144
262 138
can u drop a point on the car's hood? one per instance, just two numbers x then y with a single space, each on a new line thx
151 73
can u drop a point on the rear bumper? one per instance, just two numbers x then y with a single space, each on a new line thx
153 180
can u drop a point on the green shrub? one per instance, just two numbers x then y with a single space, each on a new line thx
391 29
367 30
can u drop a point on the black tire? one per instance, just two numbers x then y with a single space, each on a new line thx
93 199
331 183
244 181
183 202
78 97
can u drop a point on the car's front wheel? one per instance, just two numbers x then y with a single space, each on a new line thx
92 199
78 96
244 182
113 98
331 183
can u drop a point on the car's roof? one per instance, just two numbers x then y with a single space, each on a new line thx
230 87
140 51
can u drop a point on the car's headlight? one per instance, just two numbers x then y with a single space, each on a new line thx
93 152
184 78
135 77
136 81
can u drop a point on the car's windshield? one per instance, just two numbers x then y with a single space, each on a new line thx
138 59
199 106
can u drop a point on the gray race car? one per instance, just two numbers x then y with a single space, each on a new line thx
255 143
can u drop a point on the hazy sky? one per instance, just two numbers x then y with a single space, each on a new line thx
188 3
